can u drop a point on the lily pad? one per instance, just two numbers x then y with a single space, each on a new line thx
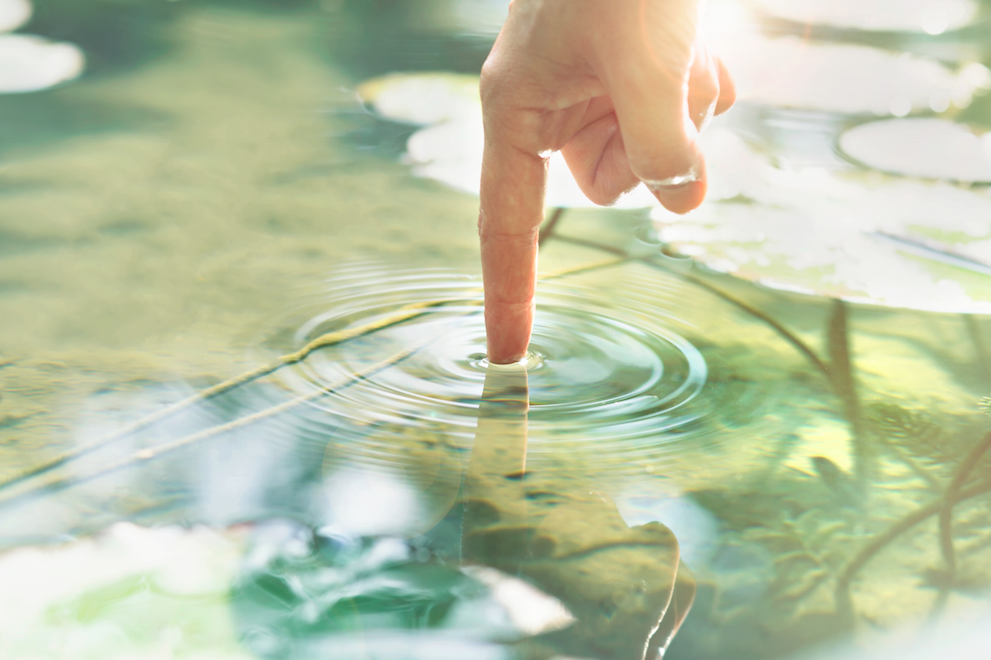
881 241
422 98
929 16
922 147
845 78
129 592
29 63
13 14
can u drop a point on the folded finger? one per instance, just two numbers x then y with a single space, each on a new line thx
703 86
727 89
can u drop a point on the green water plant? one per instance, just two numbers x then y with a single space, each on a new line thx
962 469
838 369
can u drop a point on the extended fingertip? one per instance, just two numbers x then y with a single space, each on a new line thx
502 353
507 329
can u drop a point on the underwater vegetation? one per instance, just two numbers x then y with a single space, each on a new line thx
809 546
821 467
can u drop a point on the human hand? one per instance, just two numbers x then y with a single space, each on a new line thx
621 88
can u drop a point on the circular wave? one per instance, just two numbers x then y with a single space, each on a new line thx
614 371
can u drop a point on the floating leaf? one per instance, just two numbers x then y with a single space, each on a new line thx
922 147
13 14
29 63
852 79
874 240
930 16
129 592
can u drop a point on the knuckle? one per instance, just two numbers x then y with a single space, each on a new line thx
492 83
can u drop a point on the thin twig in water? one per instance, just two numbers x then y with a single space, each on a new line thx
843 604
946 513
548 229
405 313
59 484
782 331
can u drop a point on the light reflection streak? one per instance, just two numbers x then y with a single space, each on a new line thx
625 587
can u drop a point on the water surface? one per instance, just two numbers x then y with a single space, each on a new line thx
211 197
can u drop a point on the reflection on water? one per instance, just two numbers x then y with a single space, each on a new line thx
212 448
605 370
625 587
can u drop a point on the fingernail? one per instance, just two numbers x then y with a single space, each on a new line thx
674 182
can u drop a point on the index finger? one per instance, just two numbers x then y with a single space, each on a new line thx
512 208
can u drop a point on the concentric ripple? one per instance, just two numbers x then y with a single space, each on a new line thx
609 367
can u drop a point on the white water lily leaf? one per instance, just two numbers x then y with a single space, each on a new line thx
844 78
929 16
29 63
889 242
422 98
922 147
785 72
130 592
13 14
449 147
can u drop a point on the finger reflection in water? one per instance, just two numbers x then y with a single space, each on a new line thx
625 587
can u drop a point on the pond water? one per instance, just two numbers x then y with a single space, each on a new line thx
244 405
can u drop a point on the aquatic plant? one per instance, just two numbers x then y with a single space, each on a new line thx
812 527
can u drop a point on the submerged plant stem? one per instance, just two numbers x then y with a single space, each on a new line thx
548 229
980 347
782 331
61 483
845 385
949 499
406 313
843 603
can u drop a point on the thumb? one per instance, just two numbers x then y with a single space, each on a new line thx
646 76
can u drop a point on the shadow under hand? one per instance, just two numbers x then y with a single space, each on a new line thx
625 586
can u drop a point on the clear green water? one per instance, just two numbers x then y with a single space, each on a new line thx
210 196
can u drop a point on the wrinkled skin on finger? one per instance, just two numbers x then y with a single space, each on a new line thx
621 88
